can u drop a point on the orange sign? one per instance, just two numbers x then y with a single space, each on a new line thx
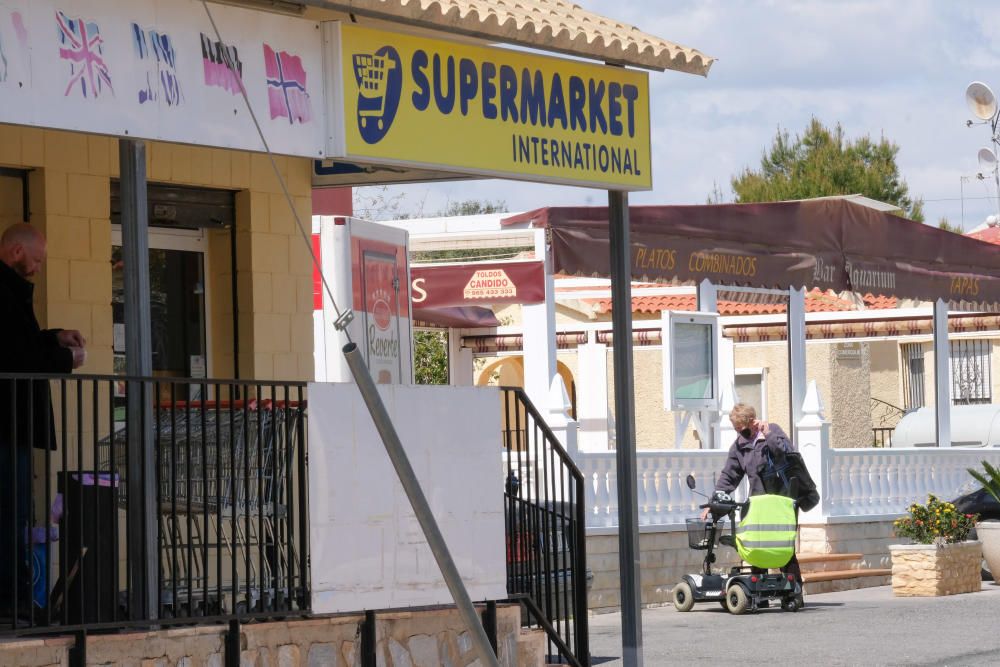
489 284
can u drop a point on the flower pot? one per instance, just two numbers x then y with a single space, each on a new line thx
931 569
989 534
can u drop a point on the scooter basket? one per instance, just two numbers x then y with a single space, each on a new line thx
699 531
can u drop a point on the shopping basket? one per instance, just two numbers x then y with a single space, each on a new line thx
372 74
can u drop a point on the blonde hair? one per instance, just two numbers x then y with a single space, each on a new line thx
742 413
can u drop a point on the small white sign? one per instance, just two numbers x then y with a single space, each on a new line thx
198 366
490 284
119 335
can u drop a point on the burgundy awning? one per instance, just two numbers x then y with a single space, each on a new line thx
825 243
477 283
457 317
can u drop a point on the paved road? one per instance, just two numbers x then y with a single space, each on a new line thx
862 627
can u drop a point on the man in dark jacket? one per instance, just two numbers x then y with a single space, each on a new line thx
25 407
747 458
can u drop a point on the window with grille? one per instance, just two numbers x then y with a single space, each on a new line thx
971 376
913 375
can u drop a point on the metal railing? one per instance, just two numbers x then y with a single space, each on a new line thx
230 482
545 527
884 417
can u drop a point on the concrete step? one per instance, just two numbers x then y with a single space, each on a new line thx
845 580
817 562
531 647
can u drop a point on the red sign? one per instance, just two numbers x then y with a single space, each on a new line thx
477 284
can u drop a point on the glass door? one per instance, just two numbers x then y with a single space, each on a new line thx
177 309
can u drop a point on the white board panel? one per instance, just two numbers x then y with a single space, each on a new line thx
367 549
154 69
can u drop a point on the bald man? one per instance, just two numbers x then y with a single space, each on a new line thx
25 405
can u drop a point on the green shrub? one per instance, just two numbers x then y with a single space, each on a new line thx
935 522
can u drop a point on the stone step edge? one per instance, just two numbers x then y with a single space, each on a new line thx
833 575
812 557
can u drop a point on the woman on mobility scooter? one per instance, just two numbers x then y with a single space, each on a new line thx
747 457
758 447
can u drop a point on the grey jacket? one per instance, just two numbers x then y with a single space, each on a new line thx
746 459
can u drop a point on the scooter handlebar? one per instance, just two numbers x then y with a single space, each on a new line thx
720 508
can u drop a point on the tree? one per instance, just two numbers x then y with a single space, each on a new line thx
430 357
473 207
947 226
823 162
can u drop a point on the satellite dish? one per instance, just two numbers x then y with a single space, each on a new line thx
981 100
987 159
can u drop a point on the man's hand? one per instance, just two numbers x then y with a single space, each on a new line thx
71 338
79 356
704 514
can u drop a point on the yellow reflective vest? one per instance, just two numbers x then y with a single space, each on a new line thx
766 534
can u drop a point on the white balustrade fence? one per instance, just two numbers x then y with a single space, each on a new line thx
860 483
872 482
663 495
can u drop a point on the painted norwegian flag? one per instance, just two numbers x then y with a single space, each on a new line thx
286 86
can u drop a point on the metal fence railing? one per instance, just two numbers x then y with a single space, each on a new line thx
545 522
228 461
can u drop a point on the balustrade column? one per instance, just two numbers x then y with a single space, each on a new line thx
813 433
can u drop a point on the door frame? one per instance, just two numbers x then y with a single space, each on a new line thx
186 240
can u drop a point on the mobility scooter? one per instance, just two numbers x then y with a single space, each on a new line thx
750 587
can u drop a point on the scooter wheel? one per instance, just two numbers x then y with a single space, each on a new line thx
683 596
793 603
737 600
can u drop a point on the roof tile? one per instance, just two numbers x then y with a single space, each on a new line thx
553 25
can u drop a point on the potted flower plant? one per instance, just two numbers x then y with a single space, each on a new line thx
941 560
988 532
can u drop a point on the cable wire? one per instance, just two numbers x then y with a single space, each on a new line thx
307 239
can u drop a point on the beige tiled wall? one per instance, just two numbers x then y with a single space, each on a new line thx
70 199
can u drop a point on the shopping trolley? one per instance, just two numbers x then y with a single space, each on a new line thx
222 470
372 74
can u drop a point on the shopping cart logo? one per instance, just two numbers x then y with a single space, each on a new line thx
379 77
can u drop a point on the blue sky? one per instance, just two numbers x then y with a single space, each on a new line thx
892 68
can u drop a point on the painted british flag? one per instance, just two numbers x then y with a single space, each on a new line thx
286 86
81 44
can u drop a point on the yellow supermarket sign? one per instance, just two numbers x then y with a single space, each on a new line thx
429 103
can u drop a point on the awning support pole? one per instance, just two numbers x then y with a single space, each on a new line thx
708 302
942 377
141 474
539 326
796 355
628 506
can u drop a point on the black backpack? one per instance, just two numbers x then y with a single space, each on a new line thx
789 478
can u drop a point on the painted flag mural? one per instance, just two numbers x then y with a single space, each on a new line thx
286 86
81 45
14 65
223 67
156 50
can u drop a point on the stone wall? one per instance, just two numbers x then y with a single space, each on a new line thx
424 638
871 539
928 569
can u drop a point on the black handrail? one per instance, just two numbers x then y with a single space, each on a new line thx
545 525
